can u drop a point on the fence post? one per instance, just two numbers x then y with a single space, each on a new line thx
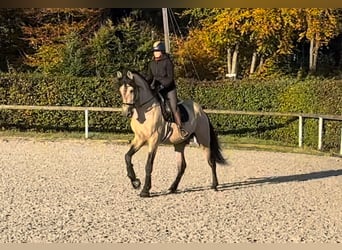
300 132
320 132
341 143
86 123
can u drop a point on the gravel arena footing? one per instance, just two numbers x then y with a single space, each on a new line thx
78 191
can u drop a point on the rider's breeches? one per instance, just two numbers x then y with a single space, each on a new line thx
172 96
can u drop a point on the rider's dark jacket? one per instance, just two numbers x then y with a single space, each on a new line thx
162 70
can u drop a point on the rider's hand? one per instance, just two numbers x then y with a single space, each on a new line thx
153 84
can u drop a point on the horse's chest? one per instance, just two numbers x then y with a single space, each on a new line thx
146 122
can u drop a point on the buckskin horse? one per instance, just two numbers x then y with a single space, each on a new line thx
150 127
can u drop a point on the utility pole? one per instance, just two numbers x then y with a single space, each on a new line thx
166 30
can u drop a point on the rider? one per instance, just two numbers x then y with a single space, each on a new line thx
161 75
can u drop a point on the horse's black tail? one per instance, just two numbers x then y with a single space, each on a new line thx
215 148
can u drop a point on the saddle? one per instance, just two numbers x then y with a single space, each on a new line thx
166 109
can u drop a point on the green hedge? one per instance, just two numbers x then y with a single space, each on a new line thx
316 96
284 95
61 91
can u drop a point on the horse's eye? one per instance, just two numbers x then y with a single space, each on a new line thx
131 91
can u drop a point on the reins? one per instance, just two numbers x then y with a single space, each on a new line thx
136 97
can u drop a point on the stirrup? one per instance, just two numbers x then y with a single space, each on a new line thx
183 132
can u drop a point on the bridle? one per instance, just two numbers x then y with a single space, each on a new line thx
135 89
136 97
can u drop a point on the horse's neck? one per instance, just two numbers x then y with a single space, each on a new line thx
147 105
146 100
146 97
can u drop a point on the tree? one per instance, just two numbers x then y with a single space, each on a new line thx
46 30
126 45
49 25
218 32
73 53
230 34
197 61
321 26
12 47
267 36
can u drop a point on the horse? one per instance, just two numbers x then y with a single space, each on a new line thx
144 108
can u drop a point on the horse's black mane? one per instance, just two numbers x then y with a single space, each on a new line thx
139 74
127 81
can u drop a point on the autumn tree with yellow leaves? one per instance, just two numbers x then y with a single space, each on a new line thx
320 25
237 42
262 35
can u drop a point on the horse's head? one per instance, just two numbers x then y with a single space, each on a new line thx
134 91
128 93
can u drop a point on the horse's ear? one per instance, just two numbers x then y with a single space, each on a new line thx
130 75
119 74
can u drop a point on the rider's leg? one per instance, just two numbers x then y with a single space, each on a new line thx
172 96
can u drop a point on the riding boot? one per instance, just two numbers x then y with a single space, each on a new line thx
178 121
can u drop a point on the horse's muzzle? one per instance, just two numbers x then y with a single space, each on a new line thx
127 110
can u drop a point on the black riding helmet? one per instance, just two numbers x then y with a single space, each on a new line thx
159 46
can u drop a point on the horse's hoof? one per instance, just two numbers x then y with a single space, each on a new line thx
144 194
214 188
172 190
136 183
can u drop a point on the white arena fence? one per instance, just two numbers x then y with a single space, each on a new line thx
301 117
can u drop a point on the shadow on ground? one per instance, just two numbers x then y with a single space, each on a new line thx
260 181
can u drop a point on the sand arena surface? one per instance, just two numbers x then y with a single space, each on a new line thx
78 191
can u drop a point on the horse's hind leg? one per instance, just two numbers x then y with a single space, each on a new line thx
203 137
181 165
135 146
212 164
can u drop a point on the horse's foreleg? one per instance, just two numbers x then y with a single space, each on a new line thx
128 158
145 192
181 165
